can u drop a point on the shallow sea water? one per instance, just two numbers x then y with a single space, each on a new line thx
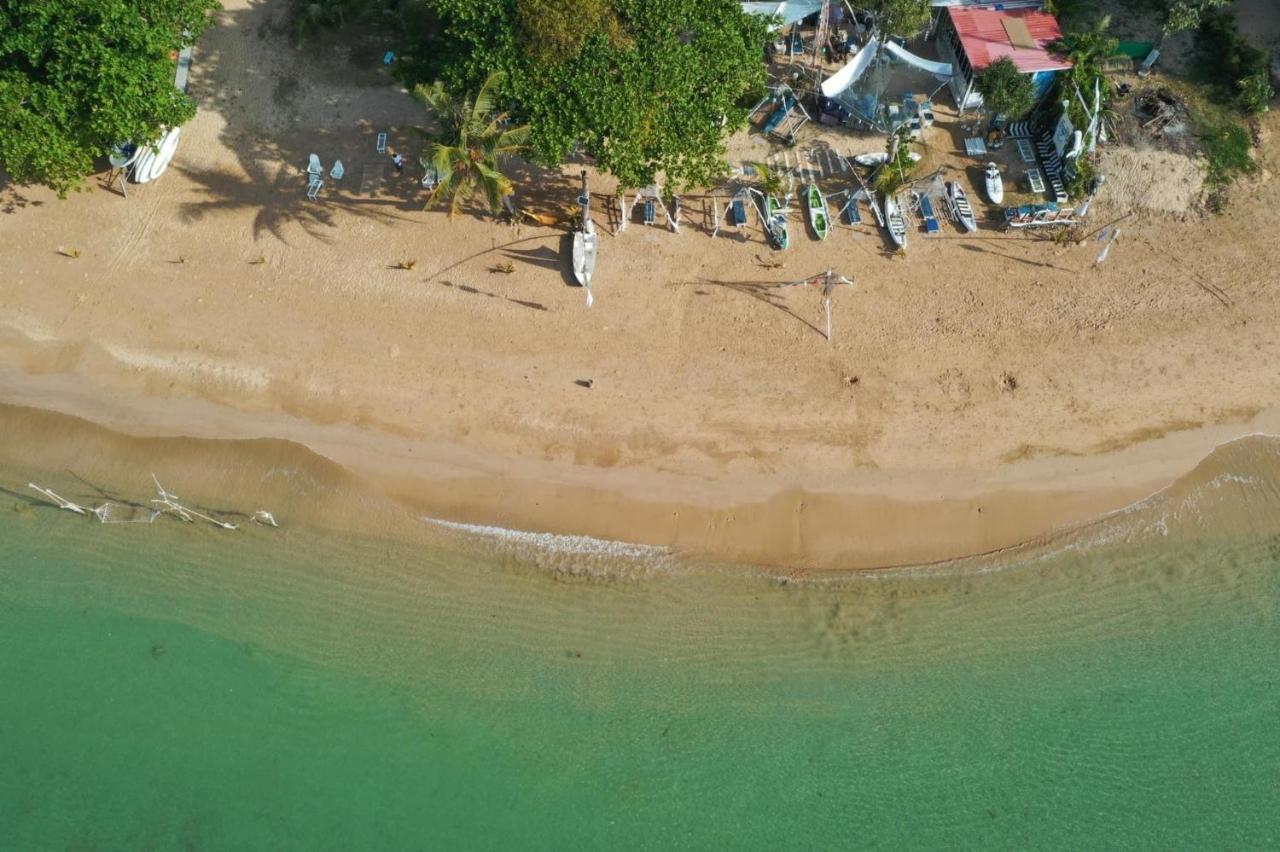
168 686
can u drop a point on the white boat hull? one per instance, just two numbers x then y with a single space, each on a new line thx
894 223
960 206
995 187
584 256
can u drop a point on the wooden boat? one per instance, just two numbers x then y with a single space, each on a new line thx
960 206
995 186
879 158
817 206
894 221
585 243
776 214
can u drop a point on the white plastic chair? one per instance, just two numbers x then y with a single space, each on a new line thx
314 168
337 171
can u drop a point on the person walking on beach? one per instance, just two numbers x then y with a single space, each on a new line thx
399 163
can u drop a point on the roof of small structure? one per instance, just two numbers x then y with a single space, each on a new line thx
984 36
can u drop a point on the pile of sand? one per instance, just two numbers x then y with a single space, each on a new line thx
1151 179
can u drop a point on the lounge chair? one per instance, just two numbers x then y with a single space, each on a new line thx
739 212
382 143
314 169
313 188
650 211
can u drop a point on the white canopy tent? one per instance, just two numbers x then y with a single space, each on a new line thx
789 11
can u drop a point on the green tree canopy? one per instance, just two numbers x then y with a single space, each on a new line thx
77 76
647 87
1005 89
1188 14
900 17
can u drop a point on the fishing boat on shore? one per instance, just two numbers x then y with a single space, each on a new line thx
894 221
776 220
960 207
584 243
879 158
817 207
995 185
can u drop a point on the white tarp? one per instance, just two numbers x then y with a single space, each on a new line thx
942 69
849 74
789 11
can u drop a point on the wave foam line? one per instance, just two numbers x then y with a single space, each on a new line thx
582 545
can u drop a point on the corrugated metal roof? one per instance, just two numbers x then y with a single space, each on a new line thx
982 33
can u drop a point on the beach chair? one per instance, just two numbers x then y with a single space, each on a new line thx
1036 180
337 171
382 143
314 187
650 211
314 169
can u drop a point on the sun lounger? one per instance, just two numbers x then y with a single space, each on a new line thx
1036 180
650 211
974 146
314 169
1025 151
739 212
382 143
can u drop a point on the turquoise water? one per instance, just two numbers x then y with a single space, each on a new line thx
168 686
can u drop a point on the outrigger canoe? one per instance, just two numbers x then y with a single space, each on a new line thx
960 206
777 215
894 222
818 212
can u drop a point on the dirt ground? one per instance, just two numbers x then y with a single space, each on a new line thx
950 365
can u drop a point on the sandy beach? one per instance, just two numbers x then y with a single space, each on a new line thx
979 391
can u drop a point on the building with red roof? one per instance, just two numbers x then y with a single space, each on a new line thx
973 37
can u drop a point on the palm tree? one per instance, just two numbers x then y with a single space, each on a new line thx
770 181
472 142
1087 49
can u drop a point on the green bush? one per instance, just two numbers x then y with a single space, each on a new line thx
1227 148
1256 93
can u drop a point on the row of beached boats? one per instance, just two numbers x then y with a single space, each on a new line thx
894 218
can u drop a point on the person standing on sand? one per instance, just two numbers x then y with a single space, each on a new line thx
399 163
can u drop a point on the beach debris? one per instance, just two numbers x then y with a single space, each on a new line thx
406 265
58 501
262 516
584 383
180 259
69 252
505 268
768 264
259 260
1008 382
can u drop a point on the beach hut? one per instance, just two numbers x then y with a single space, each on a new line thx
973 37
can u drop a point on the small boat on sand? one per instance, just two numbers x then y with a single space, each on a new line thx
776 213
894 221
584 243
995 186
817 206
960 206
879 158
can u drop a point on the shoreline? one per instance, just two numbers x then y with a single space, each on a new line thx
854 520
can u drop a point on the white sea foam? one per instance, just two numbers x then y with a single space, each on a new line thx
578 545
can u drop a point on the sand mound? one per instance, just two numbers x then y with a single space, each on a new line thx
1152 179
